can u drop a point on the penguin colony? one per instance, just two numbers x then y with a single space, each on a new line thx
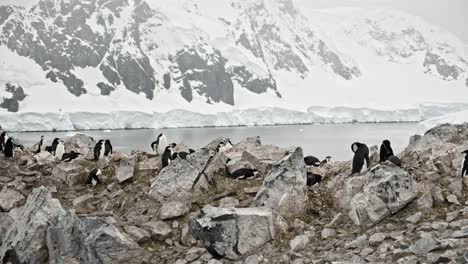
161 147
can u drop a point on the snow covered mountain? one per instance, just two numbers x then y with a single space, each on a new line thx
205 56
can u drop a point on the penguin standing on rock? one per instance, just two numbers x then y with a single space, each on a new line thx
465 165
168 155
67 157
108 148
9 149
224 146
159 146
99 150
386 151
39 146
59 149
3 140
93 177
361 159
327 160
52 148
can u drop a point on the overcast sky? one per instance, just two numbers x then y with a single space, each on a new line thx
449 14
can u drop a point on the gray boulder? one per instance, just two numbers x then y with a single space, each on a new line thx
25 238
157 229
235 232
182 179
125 170
10 199
388 190
81 143
70 173
171 210
285 187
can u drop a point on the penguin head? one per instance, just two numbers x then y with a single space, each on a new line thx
328 159
108 141
386 143
98 172
191 151
42 137
465 152
355 146
56 140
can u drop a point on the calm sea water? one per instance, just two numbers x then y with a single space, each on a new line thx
318 140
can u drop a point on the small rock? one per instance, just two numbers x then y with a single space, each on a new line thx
82 199
328 232
194 253
228 202
453 199
214 261
299 243
377 238
125 170
360 242
171 210
415 218
440 226
252 259
366 252
140 236
252 190
299 224
452 216
10 199
158 230
281 224
424 245
337 220
462 233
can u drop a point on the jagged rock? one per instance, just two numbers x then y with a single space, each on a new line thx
285 187
71 173
126 170
228 202
140 236
25 238
415 218
377 238
81 143
252 259
5 222
234 232
327 233
453 199
43 158
359 243
158 230
118 156
82 199
462 233
171 210
299 243
424 245
388 190
344 188
10 199
89 240
182 179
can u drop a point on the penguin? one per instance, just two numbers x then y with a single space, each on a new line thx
159 146
39 146
108 148
52 148
313 179
168 155
465 165
327 160
93 177
385 151
244 173
312 161
9 149
99 150
395 160
67 157
59 149
3 140
224 146
361 160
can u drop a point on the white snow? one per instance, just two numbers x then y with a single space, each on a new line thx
453 118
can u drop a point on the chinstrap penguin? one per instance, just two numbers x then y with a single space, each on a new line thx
67 157
3 140
93 177
313 179
168 155
99 150
9 149
385 151
312 161
465 164
361 161
159 146
59 149
108 148
244 173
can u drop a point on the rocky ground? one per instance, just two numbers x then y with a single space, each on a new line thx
191 212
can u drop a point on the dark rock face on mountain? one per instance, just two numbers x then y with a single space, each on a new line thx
17 95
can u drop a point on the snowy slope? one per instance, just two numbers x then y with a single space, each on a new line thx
453 118
216 62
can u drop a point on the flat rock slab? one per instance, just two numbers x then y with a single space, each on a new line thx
10 199
171 210
234 232
126 170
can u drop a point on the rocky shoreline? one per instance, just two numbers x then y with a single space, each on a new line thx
191 212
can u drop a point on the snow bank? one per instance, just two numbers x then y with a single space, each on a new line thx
453 118
249 117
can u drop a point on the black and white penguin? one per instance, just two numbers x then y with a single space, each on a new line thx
99 150
168 155
52 148
9 149
361 160
311 161
465 164
39 146
67 157
108 148
59 149
93 177
385 151
327 160
244 173
3 140
313 179
159 146
224 146
395 160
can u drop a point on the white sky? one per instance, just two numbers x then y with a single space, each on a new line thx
449 14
